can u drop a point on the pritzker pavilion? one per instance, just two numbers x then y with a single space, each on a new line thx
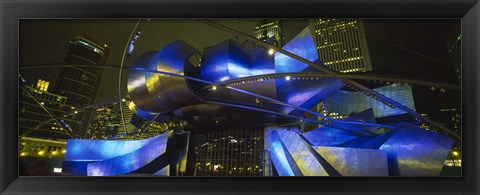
262 86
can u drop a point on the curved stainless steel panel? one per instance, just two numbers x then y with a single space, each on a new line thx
159 93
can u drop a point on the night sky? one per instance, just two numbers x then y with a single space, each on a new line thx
44 42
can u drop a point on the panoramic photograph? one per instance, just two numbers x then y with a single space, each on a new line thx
240 97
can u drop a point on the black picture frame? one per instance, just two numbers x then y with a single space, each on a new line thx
11 11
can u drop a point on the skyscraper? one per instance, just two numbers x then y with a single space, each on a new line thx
34 121
341 44
80 84
270 30
454 46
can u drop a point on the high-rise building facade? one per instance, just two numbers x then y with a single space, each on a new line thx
80 84
35 121
270 30
341 44
452 118
454 46
229 152
42 148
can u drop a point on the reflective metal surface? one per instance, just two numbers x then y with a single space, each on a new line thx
162 93
327 136
346 102
226 60
355 161
301 45
111 157
123 164
306 93
303 158
412 151
405 151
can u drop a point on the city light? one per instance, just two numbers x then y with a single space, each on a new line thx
41 152
214 88
271 51
57 170
455 153
287 78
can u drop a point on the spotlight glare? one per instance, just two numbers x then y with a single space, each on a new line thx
271 52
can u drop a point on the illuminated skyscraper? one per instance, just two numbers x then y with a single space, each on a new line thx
454 46
34 121
270 30
80 84
341 44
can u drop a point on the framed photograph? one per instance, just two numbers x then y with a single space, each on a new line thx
286 97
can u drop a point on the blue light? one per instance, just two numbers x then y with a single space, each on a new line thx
112 157
303 46
279 157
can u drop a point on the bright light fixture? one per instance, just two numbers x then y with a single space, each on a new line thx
271 52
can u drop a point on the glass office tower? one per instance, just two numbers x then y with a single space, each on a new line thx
270 30
80 84
341 44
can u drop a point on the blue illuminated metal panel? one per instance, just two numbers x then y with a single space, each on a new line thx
304 159
412 151
95 150
364 116
346 102
111 157
279 156
327 136
262 62
306 93
355 161
224 61
131 161
163 172
303 93
301 45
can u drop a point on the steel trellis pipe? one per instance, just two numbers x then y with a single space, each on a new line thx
120 74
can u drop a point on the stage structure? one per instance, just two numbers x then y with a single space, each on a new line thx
219 93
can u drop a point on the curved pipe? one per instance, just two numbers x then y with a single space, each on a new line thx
120 74
245 92
241 91
383 78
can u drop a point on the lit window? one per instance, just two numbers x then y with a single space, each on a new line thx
57 170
